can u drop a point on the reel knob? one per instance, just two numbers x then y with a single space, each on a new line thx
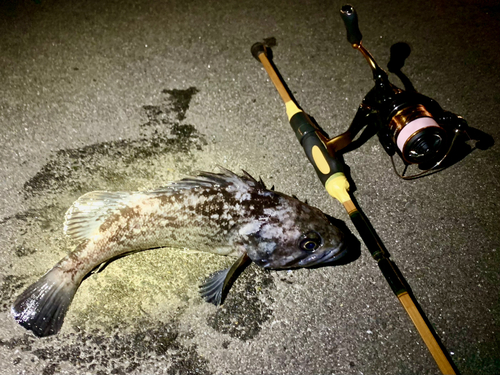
350 18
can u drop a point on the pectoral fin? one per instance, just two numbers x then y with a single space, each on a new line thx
215 288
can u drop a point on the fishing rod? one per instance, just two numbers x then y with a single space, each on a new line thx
423 143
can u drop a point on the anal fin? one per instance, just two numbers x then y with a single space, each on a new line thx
216 287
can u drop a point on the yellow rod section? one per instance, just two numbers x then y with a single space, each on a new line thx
274 78
429 339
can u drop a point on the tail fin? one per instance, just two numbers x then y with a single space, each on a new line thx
42 306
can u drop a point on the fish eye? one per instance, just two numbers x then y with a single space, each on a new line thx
310 241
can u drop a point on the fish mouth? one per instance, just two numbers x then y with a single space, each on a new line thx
326 257
312 260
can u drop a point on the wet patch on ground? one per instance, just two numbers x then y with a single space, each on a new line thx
180 100
87 167
24 250
44 217
22 216
9 287
119 353
247 306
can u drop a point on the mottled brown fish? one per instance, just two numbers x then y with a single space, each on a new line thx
219 213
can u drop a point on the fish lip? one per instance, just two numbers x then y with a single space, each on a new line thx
328 257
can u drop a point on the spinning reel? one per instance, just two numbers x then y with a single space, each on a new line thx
408 123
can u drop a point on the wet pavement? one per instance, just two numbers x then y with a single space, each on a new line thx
126 95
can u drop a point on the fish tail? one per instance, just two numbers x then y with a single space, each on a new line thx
42 306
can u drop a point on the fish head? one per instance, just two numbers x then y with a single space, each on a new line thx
295 235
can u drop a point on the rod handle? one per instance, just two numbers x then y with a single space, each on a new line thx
324 164
350 18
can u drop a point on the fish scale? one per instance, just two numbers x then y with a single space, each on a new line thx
220 213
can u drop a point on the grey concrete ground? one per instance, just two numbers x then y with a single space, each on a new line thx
126 95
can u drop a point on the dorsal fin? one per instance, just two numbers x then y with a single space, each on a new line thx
86 214
209 179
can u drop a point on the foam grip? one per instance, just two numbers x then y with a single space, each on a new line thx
350 18
315 150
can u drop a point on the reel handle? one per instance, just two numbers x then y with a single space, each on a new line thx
350 18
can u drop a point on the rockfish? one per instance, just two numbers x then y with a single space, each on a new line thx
221 213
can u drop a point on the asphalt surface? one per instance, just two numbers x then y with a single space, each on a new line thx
126 95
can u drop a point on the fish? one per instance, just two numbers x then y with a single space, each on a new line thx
221 213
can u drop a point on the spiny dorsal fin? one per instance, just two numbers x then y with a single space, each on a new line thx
86 214
294 196
210 179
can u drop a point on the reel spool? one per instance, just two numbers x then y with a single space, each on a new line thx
417 135
408 123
